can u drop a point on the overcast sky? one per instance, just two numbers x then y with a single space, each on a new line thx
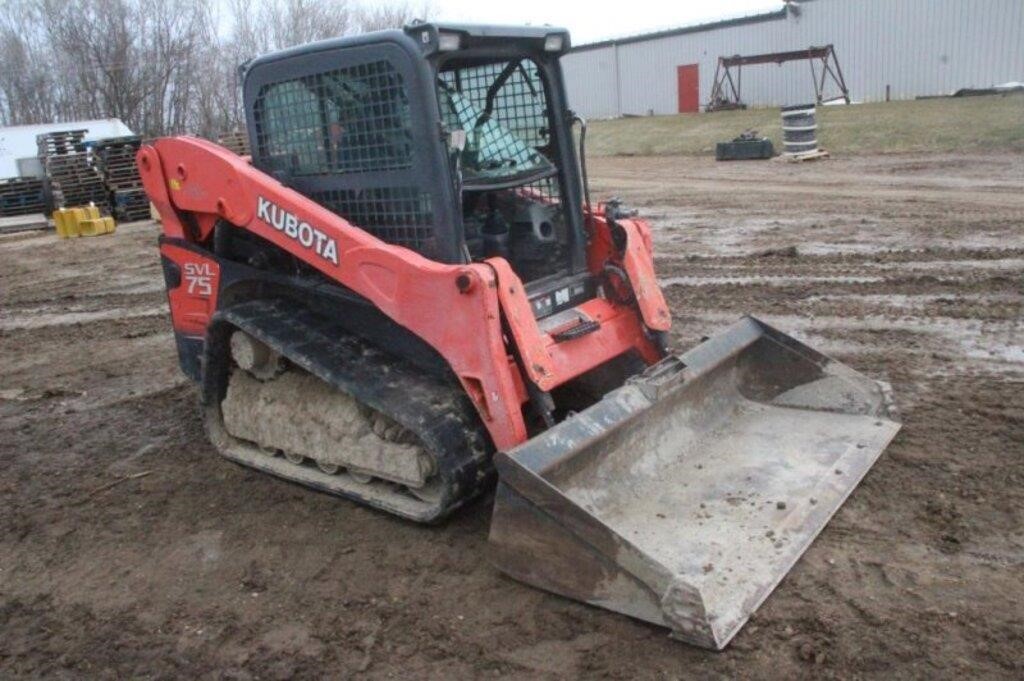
589 21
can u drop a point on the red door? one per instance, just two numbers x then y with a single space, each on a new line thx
689 88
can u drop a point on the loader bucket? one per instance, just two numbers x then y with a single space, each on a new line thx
685 496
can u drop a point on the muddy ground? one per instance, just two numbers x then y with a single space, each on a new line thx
129 549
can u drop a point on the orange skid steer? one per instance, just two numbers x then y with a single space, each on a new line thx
406 296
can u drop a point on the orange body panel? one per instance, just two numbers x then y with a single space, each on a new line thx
194 300
459 310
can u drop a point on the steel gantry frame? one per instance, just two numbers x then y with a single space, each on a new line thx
725 94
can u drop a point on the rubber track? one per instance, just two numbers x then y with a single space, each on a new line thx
436 410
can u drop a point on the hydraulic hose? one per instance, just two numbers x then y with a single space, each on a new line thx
583 164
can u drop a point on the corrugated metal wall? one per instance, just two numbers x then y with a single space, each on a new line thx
917 47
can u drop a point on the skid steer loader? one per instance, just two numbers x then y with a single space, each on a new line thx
406 297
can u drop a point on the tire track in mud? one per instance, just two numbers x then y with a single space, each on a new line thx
931 298
41 268
203 565
81 320
34 318
964 305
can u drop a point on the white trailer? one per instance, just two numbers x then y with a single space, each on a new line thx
18 142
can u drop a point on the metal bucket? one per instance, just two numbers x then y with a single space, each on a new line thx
799 129
685 496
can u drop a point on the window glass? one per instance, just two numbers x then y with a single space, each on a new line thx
348 120
503 109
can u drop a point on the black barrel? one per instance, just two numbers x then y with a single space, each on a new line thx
799 129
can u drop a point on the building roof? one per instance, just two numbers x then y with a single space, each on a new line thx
775 15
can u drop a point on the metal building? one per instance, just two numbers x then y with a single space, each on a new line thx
911 47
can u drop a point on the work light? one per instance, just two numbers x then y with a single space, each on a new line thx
448 42
553 42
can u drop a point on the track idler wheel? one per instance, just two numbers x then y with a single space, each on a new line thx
328 468
255 357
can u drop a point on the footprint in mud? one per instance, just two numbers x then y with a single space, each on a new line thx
203 549
943 515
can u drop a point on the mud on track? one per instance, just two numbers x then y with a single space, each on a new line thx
910 268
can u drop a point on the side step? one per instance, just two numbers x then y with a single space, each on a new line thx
684 497
437 412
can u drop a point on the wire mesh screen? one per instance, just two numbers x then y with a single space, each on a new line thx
348 120
519 104
397 215
503 108
343 123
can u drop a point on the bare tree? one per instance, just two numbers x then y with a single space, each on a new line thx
27 84
382 16
161 66
294 22
137 60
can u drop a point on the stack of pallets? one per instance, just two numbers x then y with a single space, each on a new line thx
61 143
70 174
21 196
236 141
115 159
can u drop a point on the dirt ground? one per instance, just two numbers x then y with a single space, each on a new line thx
129 549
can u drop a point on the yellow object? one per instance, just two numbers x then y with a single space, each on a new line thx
58 223
66 221
82 221
97 226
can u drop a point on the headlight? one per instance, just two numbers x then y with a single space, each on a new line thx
554 42
448 42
